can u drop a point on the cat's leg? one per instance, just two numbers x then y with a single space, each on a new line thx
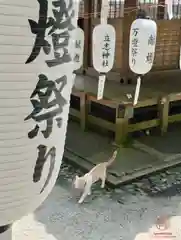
87 190
103 179
89 193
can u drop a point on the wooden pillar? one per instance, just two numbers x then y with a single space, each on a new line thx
83 110
121 129
161 9
87 32
163 114
129 17
130 3
99 3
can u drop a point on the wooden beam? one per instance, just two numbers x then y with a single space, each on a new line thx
121 131
87 31
130 3
164 113
83 111
99 4
161 9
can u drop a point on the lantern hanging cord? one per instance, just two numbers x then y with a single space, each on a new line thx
104 11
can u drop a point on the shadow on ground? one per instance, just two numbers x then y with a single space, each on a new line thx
169 143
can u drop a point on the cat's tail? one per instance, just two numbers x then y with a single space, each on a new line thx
111 160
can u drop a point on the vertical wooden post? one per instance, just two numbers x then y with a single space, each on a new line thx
161 9
121 130
99 4
163 114
83 110
129 16
87 31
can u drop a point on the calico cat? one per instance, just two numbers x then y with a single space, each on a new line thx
98 172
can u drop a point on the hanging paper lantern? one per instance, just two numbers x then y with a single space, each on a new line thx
35 86
104 38
78 48
78 40
142 48
142 45
103 47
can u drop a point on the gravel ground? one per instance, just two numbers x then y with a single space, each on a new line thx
108 214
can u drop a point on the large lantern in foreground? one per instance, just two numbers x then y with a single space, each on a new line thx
142 49
103 51
35 87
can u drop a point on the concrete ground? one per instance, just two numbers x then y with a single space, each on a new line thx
107 214
144 155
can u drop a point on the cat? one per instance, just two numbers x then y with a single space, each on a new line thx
98 172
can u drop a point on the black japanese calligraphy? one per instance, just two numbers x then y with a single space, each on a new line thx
78 44
43 156
106 49
151 40
62 17
134 52
105 63
135 32
47 99
39 29
106 54
44 90
77 58
135 41
133 61
149 58
61 21
107 38
77 55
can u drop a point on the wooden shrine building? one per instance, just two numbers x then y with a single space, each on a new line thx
160 97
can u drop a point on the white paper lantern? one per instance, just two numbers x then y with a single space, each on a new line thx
35 87
103 49
104 38
78 38
78 49
142 44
